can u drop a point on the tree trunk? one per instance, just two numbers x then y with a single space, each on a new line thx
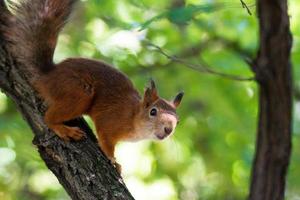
81 167
273 72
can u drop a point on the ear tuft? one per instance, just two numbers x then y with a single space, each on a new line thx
150 94
177 99
152 83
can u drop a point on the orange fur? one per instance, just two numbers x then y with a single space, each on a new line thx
80 86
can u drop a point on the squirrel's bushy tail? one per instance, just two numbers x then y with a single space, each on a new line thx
34 29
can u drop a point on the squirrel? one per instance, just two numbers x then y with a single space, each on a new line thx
80 86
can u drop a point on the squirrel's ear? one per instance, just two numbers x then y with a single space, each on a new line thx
150 94
178 99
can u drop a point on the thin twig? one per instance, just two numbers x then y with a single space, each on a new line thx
204 67
246 7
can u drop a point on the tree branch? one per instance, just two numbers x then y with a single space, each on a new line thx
81 167
196 50
246 7
202 67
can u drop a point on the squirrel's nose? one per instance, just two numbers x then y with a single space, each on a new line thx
168 130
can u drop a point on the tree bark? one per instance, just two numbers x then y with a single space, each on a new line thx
273 72
81 167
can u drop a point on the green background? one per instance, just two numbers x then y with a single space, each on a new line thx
211 153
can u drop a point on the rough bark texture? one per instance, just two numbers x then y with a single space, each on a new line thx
80 167
273 72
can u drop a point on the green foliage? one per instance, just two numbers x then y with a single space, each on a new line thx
210 155
183 15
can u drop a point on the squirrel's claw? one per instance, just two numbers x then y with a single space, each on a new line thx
76 133
67 133
116 165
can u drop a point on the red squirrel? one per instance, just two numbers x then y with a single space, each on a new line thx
80 86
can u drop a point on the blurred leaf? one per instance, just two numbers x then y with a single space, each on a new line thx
182 15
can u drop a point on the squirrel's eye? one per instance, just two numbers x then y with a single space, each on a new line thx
153 112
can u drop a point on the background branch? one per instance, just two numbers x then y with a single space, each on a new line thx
202 67
246 7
